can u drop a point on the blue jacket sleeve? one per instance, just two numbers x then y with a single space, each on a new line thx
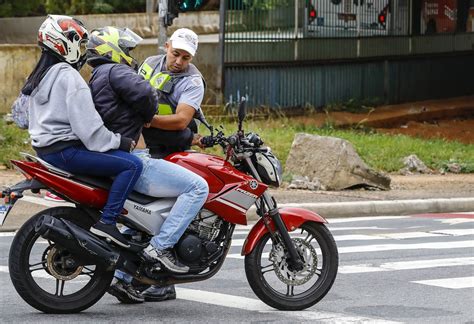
134 90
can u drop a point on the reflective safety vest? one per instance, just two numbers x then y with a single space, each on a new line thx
164 82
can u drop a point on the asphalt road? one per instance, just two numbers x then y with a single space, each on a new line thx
392 269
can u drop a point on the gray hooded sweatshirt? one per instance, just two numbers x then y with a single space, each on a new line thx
61 110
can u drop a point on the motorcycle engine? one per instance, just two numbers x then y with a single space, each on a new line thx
198 239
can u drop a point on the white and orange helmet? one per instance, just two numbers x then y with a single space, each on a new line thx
64 36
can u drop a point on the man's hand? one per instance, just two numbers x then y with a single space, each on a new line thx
177 121
147 125
197 141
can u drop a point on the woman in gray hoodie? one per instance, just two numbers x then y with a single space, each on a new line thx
64 126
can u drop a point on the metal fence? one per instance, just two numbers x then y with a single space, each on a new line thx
280 52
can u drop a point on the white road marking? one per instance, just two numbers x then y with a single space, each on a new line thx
44 275
7 234
385 236
333 229
454 221
251 304
451 283
361 219
240 231
391 247
407 265
455 232
43 202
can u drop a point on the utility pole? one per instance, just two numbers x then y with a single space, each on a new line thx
162 26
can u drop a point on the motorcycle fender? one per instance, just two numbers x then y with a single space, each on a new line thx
292 217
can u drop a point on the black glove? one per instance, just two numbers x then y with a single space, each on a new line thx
207 141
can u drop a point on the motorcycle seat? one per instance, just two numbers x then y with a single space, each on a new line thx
99 182
106 183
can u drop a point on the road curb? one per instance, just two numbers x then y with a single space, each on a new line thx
382 208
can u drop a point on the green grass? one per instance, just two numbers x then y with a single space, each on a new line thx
12 141
382 152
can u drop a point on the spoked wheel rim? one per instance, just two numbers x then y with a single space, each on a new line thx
58 274
279 278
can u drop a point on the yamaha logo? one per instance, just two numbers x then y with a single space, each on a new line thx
142 209
253 184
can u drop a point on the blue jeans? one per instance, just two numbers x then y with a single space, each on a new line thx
161 178
125 167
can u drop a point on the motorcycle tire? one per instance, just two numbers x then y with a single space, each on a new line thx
270 296
30 290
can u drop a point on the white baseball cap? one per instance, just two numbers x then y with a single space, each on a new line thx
185 39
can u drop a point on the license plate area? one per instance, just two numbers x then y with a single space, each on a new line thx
4 210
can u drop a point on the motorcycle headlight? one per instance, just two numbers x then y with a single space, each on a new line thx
269 168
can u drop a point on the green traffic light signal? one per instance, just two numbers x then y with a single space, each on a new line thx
190 5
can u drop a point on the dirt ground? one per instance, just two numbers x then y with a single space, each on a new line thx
461 130
450 119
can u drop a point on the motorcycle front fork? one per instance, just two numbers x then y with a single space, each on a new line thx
294 260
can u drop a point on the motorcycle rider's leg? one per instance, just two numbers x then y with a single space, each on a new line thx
150 293
125 167
165 179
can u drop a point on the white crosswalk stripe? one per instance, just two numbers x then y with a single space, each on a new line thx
407 265
392 247
451 283
251 304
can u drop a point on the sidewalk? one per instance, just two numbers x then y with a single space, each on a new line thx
410 195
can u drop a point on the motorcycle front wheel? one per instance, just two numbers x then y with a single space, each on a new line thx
47 276
277 285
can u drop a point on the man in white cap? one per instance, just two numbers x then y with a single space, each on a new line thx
180 88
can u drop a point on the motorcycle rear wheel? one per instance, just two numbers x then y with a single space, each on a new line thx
269 277
33 285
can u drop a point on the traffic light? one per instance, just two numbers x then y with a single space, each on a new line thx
191 5
173 11
312 14
177 6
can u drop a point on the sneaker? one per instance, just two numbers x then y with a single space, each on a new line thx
166 258
111 232
157 294
125 293
52 197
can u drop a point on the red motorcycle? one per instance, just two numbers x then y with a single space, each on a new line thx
291 258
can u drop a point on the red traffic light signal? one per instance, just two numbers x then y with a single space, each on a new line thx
312 14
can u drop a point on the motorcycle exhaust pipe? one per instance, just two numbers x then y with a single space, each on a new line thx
78 241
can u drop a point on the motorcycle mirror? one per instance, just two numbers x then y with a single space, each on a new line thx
241 113
203 120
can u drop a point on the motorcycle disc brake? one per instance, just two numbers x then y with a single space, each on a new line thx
61 266
280 264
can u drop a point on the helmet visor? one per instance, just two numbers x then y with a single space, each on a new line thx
128 39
